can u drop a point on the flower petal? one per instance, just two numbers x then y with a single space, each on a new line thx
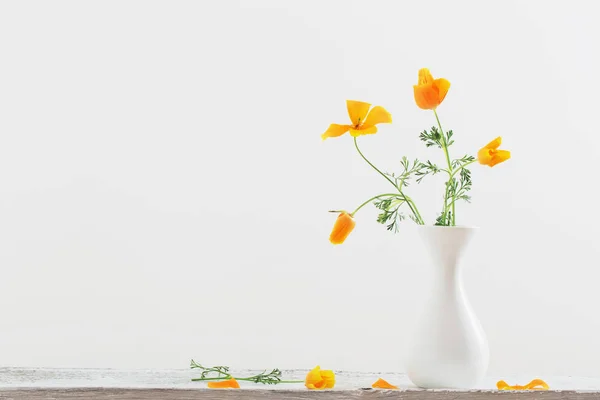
494 144
313 379
442 85
426 96
536 384
228 384
425 76
344 224
429 93
499 156
378 115
335 130
484 156
357 110
363 130
329 378
383 384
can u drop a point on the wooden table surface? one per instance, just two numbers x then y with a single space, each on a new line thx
49 383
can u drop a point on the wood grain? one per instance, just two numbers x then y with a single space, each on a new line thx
170 384
256 394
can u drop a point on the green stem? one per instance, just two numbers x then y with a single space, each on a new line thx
450 172
414 210
461 167
251 378
410 201
411 204
212 379
454 200
372 166
370 200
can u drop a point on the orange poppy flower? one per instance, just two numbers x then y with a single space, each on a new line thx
490 155
320 379
383 384
536 384
363 121
344 224
228 384
430 93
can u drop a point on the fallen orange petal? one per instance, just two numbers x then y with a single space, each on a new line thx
383 384
228 384
536 384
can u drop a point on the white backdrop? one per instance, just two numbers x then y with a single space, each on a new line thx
164 187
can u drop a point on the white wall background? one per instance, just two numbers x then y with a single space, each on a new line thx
164 187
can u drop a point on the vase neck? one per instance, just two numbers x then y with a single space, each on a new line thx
446 246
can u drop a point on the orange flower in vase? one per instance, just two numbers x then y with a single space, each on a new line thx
429 92
363 120
490 155
394 204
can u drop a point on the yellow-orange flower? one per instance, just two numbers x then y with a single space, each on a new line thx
383 384
344 224
430 93
490 155
320 379
363 121
228 384
536 384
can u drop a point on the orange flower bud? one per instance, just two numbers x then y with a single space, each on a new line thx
430 93
344 224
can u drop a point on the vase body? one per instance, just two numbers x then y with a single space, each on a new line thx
450 349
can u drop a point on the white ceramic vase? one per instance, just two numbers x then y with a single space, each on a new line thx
450 349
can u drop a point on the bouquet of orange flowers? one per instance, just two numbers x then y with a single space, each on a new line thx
429 94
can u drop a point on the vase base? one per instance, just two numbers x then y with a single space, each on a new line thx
452 379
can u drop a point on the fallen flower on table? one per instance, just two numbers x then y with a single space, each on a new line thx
228 384
319 379
383 384
536 384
